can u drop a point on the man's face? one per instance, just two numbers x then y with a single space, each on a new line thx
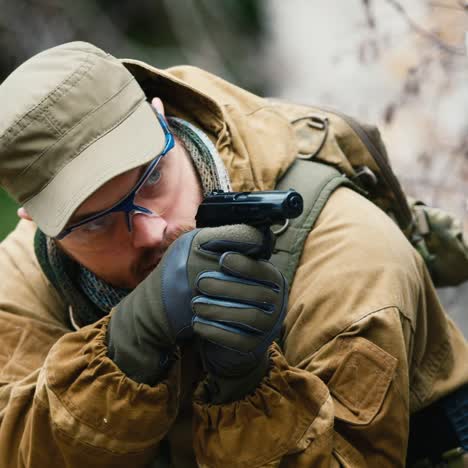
129 257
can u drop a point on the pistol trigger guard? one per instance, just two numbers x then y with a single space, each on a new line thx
282 229
268 245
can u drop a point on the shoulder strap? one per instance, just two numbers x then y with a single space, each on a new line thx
315 182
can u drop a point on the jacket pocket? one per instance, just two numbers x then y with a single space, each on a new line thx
361 381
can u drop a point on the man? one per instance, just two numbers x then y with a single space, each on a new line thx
131 338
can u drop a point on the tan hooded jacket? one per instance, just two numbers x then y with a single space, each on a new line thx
366 341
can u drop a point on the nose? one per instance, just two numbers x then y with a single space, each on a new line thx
147 231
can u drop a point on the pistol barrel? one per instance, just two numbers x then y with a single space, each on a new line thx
254 208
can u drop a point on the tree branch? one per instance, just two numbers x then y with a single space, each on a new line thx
423 32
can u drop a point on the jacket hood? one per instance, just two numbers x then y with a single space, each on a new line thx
255 141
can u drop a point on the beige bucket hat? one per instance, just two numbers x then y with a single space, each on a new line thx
72 118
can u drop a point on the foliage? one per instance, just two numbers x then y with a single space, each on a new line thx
8 218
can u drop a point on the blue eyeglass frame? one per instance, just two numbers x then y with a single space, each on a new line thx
127 204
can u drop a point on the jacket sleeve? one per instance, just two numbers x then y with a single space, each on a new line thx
338 392
63 402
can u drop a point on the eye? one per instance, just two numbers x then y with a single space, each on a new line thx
98 224
152 185
153 178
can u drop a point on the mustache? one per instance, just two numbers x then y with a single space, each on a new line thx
151 257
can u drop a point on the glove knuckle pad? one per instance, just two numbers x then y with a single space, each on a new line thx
245 317
256 270
236 289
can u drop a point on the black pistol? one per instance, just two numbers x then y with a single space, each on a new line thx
254 208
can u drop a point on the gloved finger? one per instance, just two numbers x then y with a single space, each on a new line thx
238 238
231 288
242 316
261 271
225 335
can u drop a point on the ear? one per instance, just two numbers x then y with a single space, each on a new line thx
23 214
158 105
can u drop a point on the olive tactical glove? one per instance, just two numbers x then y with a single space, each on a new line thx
146 326
238 315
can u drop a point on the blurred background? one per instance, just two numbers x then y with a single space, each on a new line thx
401 64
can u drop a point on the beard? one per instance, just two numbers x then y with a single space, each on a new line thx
149 258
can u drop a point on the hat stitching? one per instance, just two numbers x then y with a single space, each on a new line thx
27 168
50 122
77 74
4 180
60 95
53 121
27 119
114 125
105 132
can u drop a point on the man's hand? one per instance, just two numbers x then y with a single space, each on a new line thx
146 326
238 315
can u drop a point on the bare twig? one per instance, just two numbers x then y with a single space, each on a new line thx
369 14
423 32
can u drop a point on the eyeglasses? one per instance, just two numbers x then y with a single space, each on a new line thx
152 188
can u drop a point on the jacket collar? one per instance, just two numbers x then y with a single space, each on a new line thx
255 141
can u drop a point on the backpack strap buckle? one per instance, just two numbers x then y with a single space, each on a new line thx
365 177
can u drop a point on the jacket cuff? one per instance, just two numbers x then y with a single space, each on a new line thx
283 406
142 362
220 389
97 401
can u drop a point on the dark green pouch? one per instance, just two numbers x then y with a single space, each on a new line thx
439 238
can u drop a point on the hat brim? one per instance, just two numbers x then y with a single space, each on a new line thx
135 141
